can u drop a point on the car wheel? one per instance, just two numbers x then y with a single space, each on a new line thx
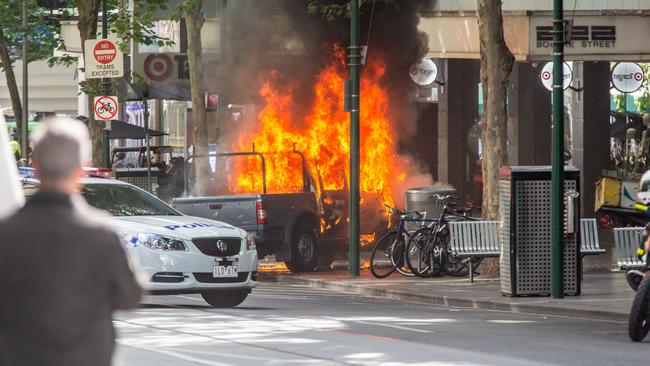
304 250
228 299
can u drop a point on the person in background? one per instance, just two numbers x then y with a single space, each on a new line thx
119 161
157 162
29 157
15 147
11 195
68 271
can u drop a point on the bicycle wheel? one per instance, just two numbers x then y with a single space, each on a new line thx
423 256
638 323
382 259
399 260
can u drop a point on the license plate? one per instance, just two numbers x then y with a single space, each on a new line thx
224 271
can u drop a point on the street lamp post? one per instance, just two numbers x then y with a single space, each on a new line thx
557 174
355 64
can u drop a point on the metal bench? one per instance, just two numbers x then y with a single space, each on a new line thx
589 243
474 239
627 240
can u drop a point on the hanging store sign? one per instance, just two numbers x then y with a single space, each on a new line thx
424 72
627 77
547 76
211 100
168 75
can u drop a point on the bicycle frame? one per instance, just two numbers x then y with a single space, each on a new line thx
441 222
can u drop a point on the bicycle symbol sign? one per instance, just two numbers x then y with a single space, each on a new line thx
106 108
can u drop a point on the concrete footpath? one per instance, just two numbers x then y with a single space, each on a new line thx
605 295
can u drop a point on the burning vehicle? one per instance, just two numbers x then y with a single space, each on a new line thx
286 180
304 226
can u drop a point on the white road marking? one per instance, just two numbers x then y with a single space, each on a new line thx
393 326
502 321
366 321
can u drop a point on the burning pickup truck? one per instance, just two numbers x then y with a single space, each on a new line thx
302 223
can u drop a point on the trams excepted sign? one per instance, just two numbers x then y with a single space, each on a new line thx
103 59
106 108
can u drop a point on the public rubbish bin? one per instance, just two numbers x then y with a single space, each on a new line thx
525 209
422 200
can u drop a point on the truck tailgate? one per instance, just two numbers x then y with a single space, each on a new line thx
238 211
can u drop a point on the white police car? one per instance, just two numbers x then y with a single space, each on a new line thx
179 254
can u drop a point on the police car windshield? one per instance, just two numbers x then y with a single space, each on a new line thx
124 200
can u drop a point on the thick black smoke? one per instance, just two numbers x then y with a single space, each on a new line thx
265 35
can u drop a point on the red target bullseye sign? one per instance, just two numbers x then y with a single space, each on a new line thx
546 75
158 67
104 52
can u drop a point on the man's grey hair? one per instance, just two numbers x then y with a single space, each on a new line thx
61 145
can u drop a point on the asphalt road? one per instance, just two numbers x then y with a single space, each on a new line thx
290 325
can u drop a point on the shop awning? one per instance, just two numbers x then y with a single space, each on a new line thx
123 130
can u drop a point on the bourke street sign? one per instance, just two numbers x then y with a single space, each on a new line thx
103 59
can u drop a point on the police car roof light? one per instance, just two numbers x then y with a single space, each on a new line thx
98 172
27 172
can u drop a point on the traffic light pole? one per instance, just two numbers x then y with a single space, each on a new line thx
557 158
355 64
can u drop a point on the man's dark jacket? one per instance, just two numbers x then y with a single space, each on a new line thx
62 275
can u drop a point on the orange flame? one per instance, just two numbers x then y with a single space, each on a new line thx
365 265
367 240
273 268
322 136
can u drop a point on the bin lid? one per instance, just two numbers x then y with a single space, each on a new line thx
506 172
425 193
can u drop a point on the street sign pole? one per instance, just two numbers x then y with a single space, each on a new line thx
355 64
222 107
557 158
24 143
147 145
106 88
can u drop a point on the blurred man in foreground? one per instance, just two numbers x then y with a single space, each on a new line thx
64 272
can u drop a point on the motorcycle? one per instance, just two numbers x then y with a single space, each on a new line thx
639 320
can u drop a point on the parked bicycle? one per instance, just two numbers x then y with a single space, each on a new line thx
428 251
389 251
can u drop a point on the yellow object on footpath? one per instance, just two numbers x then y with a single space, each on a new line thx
608 192
15 147
640 251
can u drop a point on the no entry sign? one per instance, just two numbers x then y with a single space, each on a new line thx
106 108
103 59
104 52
